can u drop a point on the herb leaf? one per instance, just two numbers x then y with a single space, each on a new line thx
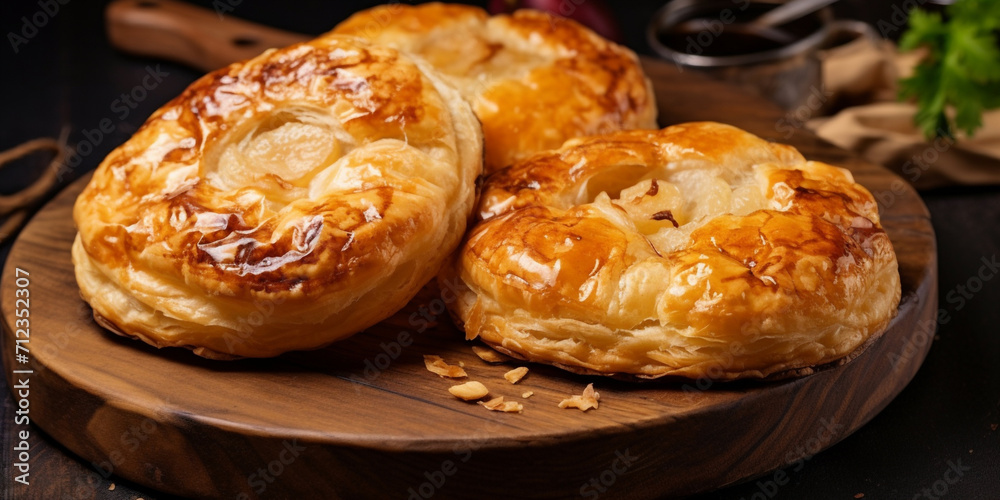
961 69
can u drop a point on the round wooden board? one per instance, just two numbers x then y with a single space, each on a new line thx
364 418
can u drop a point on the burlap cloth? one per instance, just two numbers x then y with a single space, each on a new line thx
860 85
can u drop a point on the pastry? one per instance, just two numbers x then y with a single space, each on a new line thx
280 203
534 80
699 250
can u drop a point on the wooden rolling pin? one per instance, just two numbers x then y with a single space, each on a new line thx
190 35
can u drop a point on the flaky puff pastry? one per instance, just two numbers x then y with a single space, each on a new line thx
699 250
280 203
534 80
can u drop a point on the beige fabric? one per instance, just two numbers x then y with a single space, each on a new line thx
862 75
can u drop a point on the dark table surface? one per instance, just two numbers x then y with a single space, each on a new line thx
938 439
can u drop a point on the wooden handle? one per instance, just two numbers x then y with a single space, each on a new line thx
187 34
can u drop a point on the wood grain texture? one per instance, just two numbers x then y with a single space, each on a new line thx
187 34
332 424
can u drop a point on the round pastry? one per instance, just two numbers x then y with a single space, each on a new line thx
699 250
280 203
534 80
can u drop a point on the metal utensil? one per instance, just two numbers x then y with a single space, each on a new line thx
789 11
786 73
765 26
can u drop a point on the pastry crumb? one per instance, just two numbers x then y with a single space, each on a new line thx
514 376
527 395
461 363
589 399
489 355
859 495
435 364
498 404
469 391
112 487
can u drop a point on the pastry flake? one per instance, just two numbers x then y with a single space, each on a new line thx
514 376
469 391
489 355
498 404
437 365
589 399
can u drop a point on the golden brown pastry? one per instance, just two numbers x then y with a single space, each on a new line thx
696 250
534 80
280 203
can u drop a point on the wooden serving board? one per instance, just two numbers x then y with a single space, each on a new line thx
364 419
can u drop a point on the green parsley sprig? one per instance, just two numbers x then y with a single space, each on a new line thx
961 69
